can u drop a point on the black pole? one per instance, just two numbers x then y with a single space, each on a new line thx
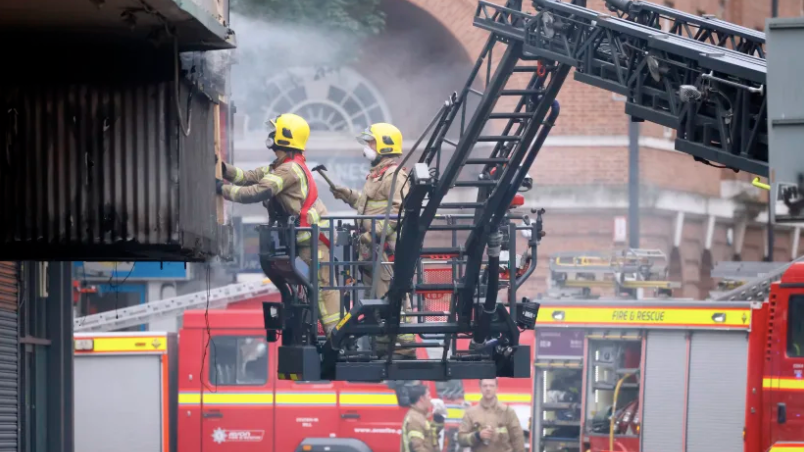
774 8
633 184
774 13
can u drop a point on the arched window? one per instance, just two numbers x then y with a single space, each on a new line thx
340 101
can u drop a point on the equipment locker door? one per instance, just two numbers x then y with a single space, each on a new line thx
786 379
717 382
238 401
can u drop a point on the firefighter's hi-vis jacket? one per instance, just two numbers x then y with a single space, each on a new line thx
286 182
508 435
373 200
418 433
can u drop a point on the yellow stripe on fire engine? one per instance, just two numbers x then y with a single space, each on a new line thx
790 384
227 398
646 316
787 447
368 399
454 413
306 398
129 344
505 397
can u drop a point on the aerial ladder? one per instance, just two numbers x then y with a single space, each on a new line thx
172 307
704 78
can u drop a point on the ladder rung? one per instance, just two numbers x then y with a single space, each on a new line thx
521 92
486 161
511 115
474 91
475 183
450 142
526 69
461 205
488 138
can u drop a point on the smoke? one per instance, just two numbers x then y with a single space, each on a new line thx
266 49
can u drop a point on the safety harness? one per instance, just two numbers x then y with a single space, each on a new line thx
312 195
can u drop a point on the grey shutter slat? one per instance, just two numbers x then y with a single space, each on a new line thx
663 416
718 374
8 285
9 357
9 381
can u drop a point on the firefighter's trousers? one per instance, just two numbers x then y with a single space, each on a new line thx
329 301
382 288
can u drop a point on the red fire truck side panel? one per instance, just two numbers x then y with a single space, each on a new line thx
370 412
784 370
249 412
754 406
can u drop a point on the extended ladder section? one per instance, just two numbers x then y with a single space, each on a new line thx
706 28
757 289
711 95
171 307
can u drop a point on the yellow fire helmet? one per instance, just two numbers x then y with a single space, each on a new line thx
387 138
288 131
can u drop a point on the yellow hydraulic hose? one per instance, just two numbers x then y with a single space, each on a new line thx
614 410
758 184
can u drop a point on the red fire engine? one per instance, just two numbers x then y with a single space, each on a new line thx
216 386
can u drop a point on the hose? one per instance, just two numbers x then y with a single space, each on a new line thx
490 305
614 409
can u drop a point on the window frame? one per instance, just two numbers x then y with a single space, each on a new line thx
212 373
796 300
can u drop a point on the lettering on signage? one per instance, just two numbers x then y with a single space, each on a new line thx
220 435
623 315
306 421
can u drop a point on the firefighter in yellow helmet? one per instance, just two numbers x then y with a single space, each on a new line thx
382 146
286 188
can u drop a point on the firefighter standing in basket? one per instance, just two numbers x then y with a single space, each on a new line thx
286 188
418 433
382 146
491 426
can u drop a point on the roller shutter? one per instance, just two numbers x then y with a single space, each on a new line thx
9 351
718 373
663 416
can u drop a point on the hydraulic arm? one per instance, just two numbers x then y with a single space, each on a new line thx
702 77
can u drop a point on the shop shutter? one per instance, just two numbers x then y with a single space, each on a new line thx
9 352
663 414
718 377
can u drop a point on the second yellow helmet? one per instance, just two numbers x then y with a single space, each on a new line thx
292 131
387 138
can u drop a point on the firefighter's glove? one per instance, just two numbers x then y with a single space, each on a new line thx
365 238
218 186
340 192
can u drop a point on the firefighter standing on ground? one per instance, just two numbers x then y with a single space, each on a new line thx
418 433
491 426
382 145
286 188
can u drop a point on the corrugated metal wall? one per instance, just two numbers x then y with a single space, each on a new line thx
9 356
105 172
663 417
718 375
9 286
